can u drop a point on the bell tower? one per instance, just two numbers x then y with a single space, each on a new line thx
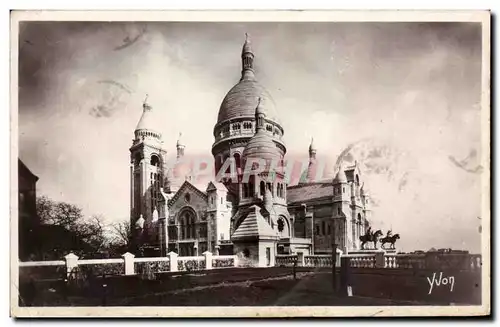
147 159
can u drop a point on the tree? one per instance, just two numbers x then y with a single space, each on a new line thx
121 238
58 213
122 233
64 229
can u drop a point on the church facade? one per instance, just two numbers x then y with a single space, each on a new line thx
248 208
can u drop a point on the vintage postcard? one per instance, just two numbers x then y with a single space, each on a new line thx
250 163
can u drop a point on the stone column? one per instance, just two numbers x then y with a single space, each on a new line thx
132 203
173 260
129 263
380 259
71 263
208 259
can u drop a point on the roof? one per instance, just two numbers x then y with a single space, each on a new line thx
187 185
242 100
261 146
147 120
308 192
340 177
247 46
24 170
216 186
254 226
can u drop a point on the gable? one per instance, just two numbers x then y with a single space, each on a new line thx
188 195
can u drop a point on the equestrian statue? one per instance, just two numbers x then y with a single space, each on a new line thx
389 238
370 237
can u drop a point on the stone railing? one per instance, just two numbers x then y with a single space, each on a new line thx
191 263
74 268
318 261
475 261
286 260
223 261
428 260
410 261
390 261
42 269
362 260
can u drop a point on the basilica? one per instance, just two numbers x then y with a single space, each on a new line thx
253 213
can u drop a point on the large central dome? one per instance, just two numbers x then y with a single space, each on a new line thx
242 99
236 122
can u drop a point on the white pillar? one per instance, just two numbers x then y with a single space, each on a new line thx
129 263
172 256
208 259
71 263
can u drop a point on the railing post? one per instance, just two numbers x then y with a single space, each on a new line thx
128 259
172 257
208 259
345 271
71 263
380 260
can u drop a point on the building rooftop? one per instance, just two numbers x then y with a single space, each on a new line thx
307 192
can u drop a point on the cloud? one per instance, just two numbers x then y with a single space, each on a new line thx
408 90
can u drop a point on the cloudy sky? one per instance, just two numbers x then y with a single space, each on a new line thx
410 91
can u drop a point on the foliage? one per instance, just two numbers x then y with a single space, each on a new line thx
93 270
222 263
147 269
190 265
63 229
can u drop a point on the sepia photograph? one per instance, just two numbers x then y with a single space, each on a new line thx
250 164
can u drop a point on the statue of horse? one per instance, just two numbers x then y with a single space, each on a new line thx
370 237
390 239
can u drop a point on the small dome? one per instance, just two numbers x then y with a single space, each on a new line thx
148 121
340 177
261 146
140 223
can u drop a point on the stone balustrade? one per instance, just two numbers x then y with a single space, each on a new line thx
318 261
362 260
286 260
73 267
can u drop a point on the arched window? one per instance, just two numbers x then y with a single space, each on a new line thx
357 179
323 229
281 225
237 160
155 161
262 187
187 222
251 186
137 158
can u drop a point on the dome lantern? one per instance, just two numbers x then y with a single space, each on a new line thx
247 56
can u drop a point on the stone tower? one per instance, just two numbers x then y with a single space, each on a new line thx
147 159
236 120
